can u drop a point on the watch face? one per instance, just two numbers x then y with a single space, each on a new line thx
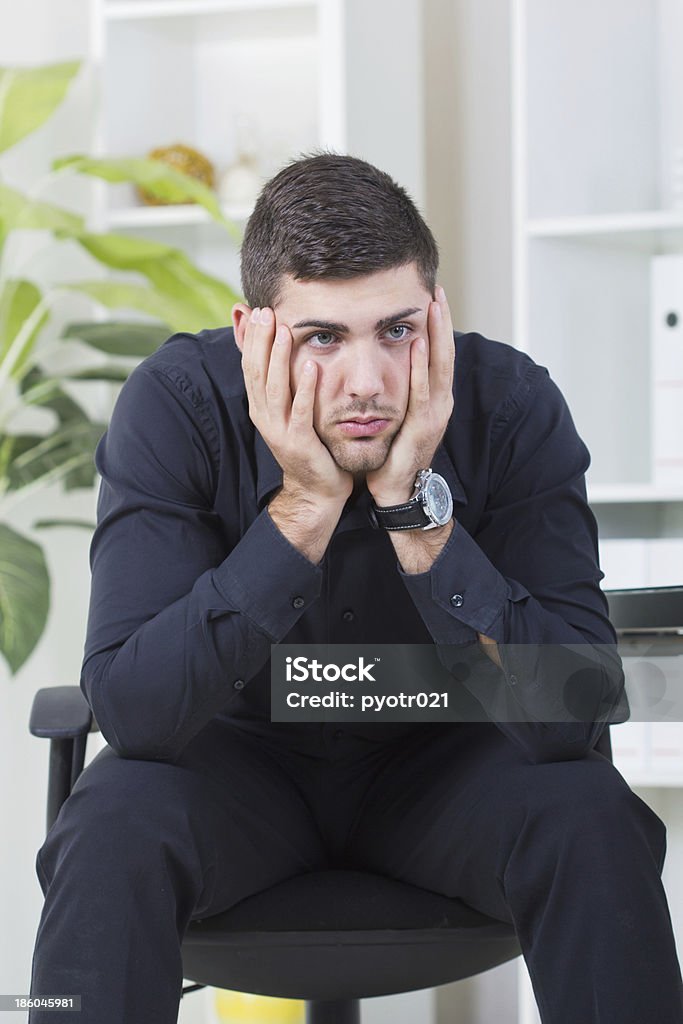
438 500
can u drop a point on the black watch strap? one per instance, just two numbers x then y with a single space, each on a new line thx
408 516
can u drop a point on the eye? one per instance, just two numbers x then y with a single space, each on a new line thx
400 327
320 334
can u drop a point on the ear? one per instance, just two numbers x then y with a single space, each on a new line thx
240 317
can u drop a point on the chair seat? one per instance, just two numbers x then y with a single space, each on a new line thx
343 934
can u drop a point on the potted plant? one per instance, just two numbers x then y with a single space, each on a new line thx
169 291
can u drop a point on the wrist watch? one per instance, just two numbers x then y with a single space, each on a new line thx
429 507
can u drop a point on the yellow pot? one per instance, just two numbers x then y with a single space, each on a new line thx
243 1008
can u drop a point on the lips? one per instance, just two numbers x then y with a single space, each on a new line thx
363 427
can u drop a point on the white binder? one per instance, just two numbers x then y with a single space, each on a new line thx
667 370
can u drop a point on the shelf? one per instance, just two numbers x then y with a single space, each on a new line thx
605 224
171 216
129 10
605 494
643 230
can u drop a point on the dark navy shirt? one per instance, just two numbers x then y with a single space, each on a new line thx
192 581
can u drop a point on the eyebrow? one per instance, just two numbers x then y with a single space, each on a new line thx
335 328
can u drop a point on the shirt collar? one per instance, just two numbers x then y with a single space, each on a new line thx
355 515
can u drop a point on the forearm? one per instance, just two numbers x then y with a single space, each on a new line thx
153 687
552 699
417 550
541 673
173 674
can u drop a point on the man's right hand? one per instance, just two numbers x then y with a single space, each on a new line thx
314 489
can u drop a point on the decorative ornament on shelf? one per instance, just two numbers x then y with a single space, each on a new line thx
241 182
183 158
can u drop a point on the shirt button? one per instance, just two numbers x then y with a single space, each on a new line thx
298 602
348 615
513 680
238 684
338 733
457 600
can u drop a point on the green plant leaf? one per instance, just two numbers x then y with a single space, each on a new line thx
18 211
169 270
24 596
18 300
44 524
108 372
28 97
119 338
181 316
65 454
6 449
155 176
38 388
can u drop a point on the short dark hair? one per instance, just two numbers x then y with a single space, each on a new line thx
329 215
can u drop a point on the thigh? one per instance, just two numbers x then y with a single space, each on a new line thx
449 813
227 812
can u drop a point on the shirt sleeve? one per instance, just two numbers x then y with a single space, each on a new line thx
529 578
179 619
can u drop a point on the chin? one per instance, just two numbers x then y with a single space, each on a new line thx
360 456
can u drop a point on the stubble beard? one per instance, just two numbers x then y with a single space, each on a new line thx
360 455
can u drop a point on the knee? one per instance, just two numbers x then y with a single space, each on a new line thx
120 812
588 799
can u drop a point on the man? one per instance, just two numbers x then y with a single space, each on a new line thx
268 484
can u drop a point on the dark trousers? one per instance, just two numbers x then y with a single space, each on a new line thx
564 850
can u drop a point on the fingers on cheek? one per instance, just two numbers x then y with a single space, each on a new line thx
437 315
305 385
420 366
418 353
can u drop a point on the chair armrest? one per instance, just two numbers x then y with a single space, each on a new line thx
61 712
62 715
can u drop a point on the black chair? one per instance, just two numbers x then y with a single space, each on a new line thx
330 937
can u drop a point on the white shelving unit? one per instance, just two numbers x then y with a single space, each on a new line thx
592 201
134 10
178 215
595 133
187 70
596 104
638 225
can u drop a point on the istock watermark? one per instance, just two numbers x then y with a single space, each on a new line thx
301 669
455 683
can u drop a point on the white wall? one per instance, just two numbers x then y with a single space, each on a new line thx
468 158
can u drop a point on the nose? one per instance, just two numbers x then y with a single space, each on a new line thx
363 376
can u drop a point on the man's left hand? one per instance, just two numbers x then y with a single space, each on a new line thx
430 405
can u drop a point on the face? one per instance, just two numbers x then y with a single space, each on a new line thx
359 332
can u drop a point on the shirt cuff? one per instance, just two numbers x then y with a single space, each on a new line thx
462 594
268 579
